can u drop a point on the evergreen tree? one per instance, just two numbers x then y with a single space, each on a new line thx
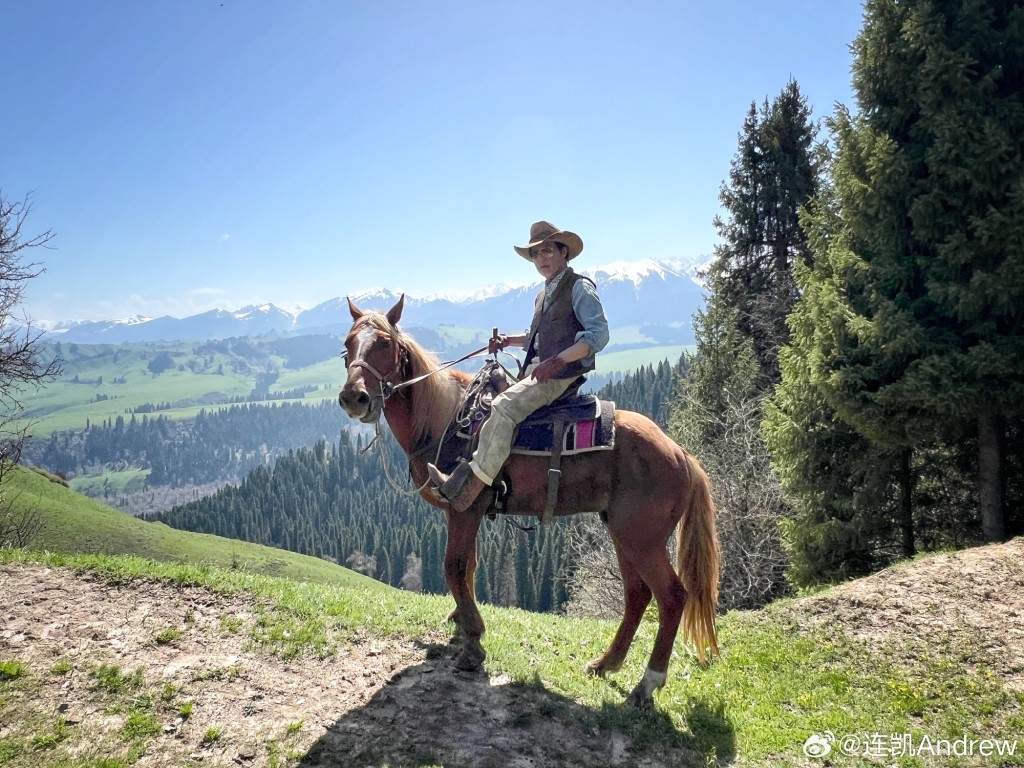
773 174
718 411
917 337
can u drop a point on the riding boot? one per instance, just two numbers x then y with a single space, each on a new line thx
460 488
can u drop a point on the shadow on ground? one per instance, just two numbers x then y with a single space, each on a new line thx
432 714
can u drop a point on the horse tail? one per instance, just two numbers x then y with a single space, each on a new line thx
697 560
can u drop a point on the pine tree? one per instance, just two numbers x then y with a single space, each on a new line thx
718 409
920 330
773 174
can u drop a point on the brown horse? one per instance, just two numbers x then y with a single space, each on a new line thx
646 487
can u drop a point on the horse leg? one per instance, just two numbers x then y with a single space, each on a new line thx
470 583
459 571
637 596
657 572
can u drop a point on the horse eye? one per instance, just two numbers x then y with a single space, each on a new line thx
344 356
386 343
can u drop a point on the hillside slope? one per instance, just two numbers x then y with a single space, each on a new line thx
156 667
74 524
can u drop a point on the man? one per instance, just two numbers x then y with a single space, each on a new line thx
568 329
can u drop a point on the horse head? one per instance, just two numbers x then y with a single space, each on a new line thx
374 357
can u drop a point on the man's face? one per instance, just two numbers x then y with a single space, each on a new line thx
548 258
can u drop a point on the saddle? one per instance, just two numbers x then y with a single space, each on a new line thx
588 424
572 424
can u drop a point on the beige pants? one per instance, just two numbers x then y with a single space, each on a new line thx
507 411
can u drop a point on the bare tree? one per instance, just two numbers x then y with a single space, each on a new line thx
360 562
23 365
19 523
747 494
594 584
750 505
412 579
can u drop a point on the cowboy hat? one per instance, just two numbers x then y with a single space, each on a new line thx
543 231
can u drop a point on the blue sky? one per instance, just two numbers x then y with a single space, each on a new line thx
200 153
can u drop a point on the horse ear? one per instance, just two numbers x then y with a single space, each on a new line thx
356 311
395 313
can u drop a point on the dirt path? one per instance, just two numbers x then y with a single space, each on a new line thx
374 703
380 702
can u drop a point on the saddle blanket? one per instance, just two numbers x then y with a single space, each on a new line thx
589 426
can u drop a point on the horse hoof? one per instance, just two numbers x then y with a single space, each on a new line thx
601 668
471 659
640 698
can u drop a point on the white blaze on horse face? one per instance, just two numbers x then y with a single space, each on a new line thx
363 338
353 397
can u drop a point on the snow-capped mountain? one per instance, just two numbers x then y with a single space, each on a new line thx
649 294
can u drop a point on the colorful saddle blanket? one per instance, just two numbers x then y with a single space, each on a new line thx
589 426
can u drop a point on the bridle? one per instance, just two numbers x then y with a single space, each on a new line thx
387 389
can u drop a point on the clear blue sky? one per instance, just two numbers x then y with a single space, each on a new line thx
200 153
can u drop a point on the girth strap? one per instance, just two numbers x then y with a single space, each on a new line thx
554 471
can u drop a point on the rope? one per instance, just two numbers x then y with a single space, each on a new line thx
466 406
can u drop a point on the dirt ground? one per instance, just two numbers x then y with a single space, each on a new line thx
384 703
374 703
971 601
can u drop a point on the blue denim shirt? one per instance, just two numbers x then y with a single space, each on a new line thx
589 311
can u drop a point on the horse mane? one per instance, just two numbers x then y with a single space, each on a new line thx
436 397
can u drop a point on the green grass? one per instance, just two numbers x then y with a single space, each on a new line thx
11 669
75 524
167 636
327 376
119 373
67 404
111 483
775 685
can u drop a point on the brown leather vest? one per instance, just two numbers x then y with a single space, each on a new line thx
554 329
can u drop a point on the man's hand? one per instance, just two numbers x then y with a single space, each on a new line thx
499 341
549 369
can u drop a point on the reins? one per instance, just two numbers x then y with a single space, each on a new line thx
387 389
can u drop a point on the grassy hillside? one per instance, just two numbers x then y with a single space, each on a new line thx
926 650
74 524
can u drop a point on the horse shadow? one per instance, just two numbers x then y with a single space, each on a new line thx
432 714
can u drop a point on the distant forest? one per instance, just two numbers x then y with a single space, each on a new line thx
216 446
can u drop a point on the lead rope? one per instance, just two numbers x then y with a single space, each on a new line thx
384 455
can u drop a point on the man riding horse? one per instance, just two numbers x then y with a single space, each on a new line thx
568 330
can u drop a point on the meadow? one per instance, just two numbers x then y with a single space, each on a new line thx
787 673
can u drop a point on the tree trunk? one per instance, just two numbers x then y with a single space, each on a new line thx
990 480
907 503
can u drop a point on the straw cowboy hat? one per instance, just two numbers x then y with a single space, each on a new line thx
543 231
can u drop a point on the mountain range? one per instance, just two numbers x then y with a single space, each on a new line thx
658 297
